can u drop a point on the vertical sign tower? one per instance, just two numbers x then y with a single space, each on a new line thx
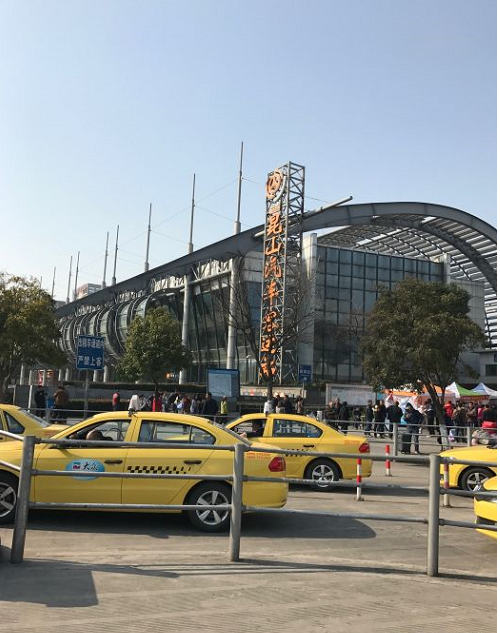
281 273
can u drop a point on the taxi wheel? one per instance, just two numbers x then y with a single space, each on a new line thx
212 494
323 471
8 497
475 476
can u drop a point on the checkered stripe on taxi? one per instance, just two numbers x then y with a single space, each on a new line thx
158 470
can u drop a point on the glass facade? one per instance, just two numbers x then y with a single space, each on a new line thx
347 286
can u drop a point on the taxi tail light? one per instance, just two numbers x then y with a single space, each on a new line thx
277 464
364 448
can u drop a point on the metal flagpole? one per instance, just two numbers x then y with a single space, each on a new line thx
146 264
76 274
53 283
190 244
187 290
231 327
69 278
105 260
113 278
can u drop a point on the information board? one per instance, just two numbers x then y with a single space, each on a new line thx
90 352
224 382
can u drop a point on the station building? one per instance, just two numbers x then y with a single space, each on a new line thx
348 253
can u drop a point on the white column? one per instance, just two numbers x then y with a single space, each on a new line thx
185 322
60 377
106 373
22 375
67 374
44 377
95 377
231 328
309 269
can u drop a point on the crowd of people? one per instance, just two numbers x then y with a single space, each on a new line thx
377 418
195 404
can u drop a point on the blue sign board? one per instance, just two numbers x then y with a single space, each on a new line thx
90 352
305 373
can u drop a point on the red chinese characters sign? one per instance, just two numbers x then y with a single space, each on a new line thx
273 283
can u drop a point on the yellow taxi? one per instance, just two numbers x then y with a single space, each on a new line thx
21 422
466 476
486 508
300 433
118 427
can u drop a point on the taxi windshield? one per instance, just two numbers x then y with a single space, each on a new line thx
35 418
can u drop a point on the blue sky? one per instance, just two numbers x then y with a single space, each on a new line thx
110 105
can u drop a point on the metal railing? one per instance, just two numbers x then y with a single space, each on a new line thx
236 508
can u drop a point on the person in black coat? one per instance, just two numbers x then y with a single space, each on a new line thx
209 408
40 401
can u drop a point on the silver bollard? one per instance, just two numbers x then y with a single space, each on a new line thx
236 502
23 499
469 436
395 430
433 517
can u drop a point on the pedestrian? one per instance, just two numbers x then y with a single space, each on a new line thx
280 406
369 415
430 417
299 405
287 403
61 399
344 418
143 403
459 419
413 419
209 407
224 409
356 416
134 404
40 401
471 416
157 403
489 414
115 401
394 413
380 413
268 407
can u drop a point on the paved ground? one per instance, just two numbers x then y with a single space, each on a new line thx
154 573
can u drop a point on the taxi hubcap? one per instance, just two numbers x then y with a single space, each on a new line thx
323 474
475 479
212 498
7 499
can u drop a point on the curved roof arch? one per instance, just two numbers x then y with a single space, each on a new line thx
412 229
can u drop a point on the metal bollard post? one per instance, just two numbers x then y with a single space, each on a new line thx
446 484
236 502
388 461
359 480
433 517
23 498
469 436
395 430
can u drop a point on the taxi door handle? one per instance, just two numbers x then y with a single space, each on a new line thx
308 445
192 461
113 461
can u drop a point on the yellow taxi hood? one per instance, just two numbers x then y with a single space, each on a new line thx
464 452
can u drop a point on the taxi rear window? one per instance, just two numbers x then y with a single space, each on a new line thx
295 428
153 431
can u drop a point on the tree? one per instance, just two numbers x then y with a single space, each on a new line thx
153 347
29 332
415 336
